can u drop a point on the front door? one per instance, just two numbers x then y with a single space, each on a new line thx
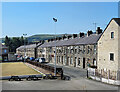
75 62
83 62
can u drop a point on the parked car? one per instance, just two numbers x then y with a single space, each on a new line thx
20 58
41 60
32 58
26 58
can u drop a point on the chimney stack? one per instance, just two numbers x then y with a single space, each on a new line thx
51 40
81 34
59 38
98 31
48 40
74 35
69 36
89 33
64 37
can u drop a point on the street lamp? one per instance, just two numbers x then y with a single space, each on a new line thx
24 46
95 25
55 20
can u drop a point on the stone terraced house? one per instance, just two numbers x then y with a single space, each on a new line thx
76 50
31 50
99 50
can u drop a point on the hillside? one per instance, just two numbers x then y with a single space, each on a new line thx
38 37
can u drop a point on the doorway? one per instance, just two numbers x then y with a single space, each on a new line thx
83 62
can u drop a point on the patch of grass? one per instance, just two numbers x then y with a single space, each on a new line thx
90 78
17 68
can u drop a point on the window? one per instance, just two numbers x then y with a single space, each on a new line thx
62 59
94 62
59 59
71 61
75 51
79 49
83 49
112 34
78 61
95 49
88 50
111 56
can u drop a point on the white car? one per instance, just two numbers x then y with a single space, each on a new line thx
41 60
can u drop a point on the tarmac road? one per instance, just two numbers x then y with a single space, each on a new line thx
73 72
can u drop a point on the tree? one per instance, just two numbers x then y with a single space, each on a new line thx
22 40
7 41
14 42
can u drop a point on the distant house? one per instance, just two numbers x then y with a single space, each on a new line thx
28 50
3 53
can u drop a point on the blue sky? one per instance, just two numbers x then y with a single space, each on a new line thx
73 17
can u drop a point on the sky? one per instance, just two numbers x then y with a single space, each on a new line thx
32 18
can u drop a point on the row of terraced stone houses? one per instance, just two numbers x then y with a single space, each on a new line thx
100 49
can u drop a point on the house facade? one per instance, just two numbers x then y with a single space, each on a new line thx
109 48
3 53
28 50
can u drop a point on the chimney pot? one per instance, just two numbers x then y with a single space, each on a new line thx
81 34
69 36
89 33
98 31
59 38
74 35
64 37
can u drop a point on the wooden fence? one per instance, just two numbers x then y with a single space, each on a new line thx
59 71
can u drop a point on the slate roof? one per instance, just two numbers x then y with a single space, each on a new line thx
29 46
92 39
117 20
